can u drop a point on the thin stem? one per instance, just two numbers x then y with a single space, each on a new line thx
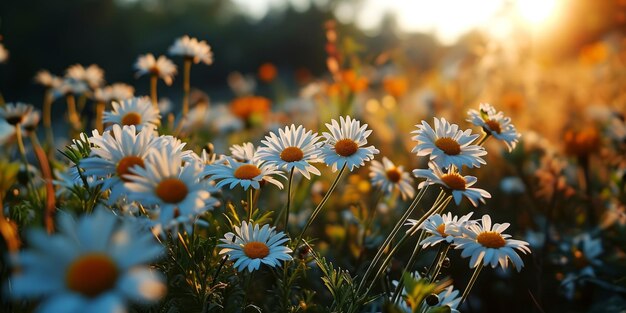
186 86
484 138
408 266
47 119
250 203
47 175
153 90
443 252
470 284
22 150
99 116
72 113
411 231
288 200
319 207
392 234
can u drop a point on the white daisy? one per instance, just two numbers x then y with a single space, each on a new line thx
246 152
495 124
136 111
15 113
486 243
293 148
174 189
92 75
244 174
250 246
388 176
344 144
96 264
30 121
447 145
68 86
447 297
46 79
441 227
162 67
114 92
453 182
115 152
192 48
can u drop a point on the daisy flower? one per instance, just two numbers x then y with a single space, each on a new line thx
175 189
388 176
442 228
15 113
96 264
46 79
293 148
495 124
486 243
162 67
447 145
136 111
453 182
192 48
30 121
69 86
250 246
245 174
246 152
344 144
115 152
114 92
92 75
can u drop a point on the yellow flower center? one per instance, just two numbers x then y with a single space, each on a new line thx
256 250
291 154
448 145
393 175
125 164
346 147
454 181
442 230
580 261
92 274
131 118
494 126
247 171
172 190
491 239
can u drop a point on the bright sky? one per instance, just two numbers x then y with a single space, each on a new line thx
447 19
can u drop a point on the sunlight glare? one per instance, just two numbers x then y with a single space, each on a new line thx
536 12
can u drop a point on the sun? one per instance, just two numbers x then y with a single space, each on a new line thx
536 12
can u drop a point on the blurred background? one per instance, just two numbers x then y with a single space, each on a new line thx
52 35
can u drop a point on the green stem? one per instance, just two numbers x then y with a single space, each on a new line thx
186 86
319 207
484 138
408 266
470 284
47 120
288 200
22 150
391 235
153 90
433 210
250 204
443 252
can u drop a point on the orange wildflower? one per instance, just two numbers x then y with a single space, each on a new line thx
244 107
267 72
396 86
582 143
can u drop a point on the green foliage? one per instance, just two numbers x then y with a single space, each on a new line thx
416 291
